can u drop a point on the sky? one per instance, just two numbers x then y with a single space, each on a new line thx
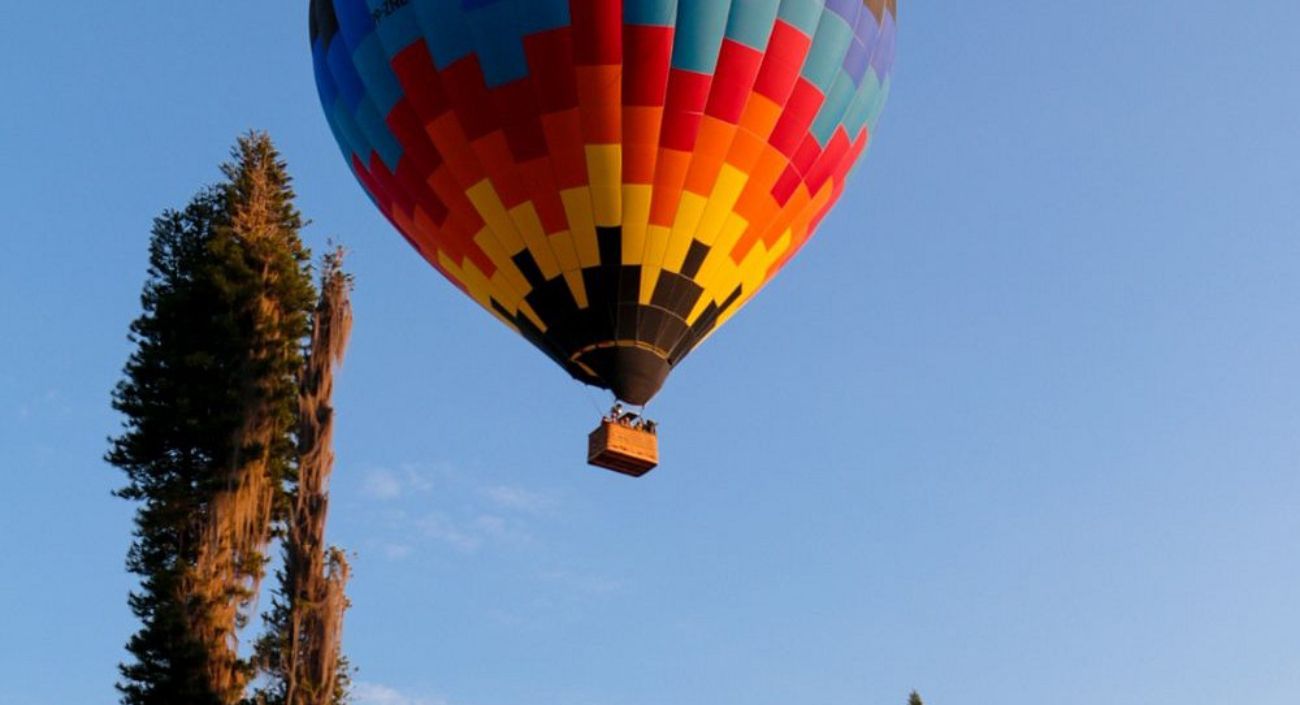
1020 425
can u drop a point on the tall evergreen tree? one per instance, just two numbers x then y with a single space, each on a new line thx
265 275
914 699
178 424
300 653
210 400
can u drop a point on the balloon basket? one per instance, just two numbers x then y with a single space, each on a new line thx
625 444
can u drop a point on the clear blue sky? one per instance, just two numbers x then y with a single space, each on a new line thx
1021 426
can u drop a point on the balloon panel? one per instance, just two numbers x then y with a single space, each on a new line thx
613 179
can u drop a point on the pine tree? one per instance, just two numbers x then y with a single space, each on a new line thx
269 290
914 699
178 425
210 400
300 654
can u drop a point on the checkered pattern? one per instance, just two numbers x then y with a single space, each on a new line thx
605 174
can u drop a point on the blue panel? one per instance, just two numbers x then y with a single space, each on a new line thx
829 46
381 139
346 79
355 21
444 30
659 13
837 102
372 62
399 29
498 29
802 14
324 81
700 28
347 132
751 22
859 110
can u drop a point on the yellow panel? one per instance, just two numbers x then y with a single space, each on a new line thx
562 244
453 269
778 249
573 278
753 273
477 286
504 291
636 217
513 278
565 253
700 306
719 275
725 279
525 217
605 173
731 183
689 211
489 205
577 206
656 243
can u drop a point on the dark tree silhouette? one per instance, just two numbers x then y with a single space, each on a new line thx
300 653
210 399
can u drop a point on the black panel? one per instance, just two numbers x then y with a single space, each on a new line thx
610 242
671 332
695 259
602 333
324 24
629 284
634 375
532 334
676 293
524 261
730 300
627 316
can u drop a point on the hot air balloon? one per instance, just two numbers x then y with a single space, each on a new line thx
613 179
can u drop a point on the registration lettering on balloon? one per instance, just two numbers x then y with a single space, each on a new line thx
387 8
613 179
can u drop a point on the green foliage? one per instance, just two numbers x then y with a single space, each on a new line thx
914 699
300 652
225 312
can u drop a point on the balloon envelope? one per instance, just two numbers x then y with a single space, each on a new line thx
611 178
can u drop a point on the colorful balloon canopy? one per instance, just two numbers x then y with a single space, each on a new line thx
611 178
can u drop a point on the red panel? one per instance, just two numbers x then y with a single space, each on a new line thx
398 200
550 64
413 179
806 155
640 143
495 155
597 32
601 101
546 197
646 79
817 174
467 90
464 222
738 66
372 187
517 103
564 135
688 93
786 185
782 62
799 113
415 71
